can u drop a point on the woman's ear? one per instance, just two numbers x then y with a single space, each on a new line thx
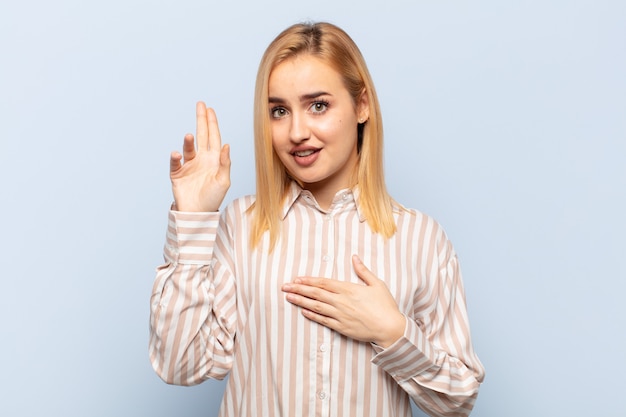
363 107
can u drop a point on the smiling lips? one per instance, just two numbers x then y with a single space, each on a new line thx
305 157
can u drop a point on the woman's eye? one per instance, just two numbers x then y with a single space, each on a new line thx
319 107
278 112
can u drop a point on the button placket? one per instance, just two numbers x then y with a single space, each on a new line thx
325 252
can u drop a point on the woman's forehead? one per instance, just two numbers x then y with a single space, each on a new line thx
303 72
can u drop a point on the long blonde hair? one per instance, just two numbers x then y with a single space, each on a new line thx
337 49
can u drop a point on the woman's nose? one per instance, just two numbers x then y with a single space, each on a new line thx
299 130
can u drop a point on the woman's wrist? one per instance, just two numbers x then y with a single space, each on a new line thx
394 333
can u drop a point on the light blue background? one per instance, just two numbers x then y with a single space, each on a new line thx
506 121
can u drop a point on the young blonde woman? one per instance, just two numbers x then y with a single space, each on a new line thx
319 296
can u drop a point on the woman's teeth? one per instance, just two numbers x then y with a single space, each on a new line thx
304 153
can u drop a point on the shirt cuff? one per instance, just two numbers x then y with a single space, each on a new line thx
191 237
409 356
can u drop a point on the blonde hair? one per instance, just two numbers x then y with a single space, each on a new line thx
337 49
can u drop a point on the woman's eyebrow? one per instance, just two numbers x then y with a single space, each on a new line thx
304 97
275 100
310 96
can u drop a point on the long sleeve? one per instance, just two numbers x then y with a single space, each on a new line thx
214 286
434 361
192 314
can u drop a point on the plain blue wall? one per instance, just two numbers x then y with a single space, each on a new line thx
505 121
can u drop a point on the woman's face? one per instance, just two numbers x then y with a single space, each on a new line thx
314 121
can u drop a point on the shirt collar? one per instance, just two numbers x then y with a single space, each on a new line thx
296 193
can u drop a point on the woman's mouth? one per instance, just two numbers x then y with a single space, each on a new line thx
304 153
306 157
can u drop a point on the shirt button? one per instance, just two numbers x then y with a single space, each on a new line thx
345 196
325 258
322 395
323 348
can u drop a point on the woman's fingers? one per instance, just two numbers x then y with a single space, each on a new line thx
225 157
207 129
175 159
215 139
202 128
200 174
363 272
189 148
225 165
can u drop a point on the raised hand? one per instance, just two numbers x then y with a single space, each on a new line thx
201 175
367 312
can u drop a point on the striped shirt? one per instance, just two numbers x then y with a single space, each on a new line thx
217 308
